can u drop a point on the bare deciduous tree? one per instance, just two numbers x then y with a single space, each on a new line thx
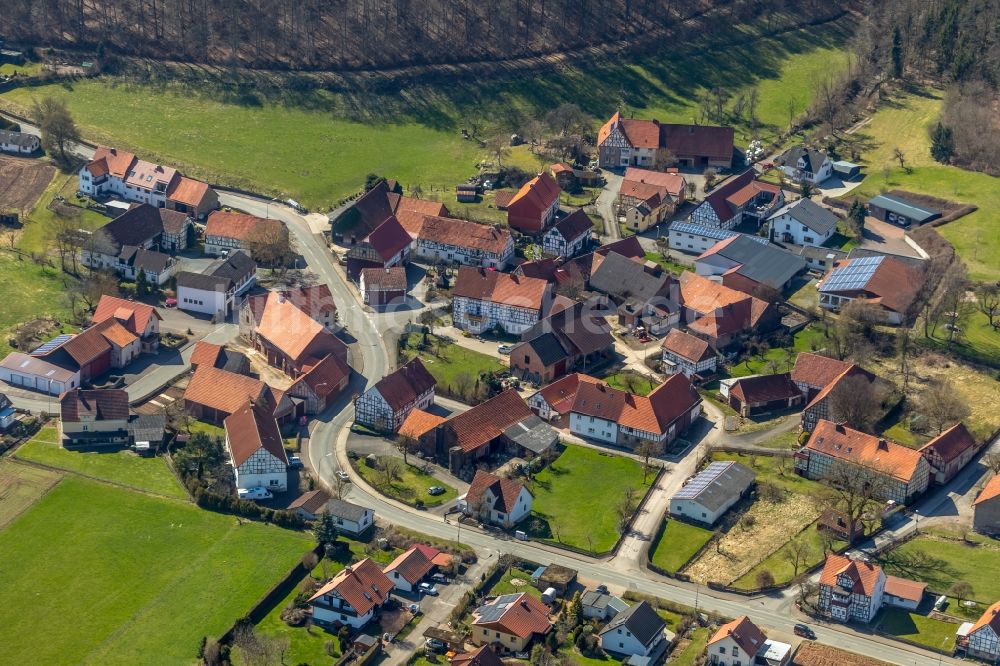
943 405
857 492
856 401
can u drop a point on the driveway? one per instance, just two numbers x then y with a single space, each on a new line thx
606 204
835 187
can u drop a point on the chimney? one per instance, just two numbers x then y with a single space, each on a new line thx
281 297
840 427
883 444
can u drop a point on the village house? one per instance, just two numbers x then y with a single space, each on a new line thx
760 393
695 239
408 570
496 500
226 231
383 286
742 643
617 417
119 173
535 205
138 318
569 339
114 245
819 407
803 222
320 382
377 205
697 146
385 406
986 508
887 283
350 519
624 142
484 299
510 623
741 198
95 419
949 452
213 394
904 471
812 372
217 356
421 427
569 236
640 291
709 494
482 656
445 240
19 143
554 402
850 590
256 448
385 247
8 414
749 266
601 606
214 291
647 198
803 164
638 631
984 636
687 354
352 598
315 301
720 315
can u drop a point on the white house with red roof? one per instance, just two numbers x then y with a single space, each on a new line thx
496 500
949 452
740 196
534 206
483 299
850 590
138 318
510 622
452 241
408 569
736 643
226 231
386 405
687 354
256 448
984 636
351 598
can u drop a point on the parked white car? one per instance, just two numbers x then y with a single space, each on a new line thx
255 493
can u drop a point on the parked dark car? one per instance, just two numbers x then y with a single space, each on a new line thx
804 631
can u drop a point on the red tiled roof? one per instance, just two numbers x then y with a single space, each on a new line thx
222 390
672 182
188 191
87 346
325 377
641 133
990 491
115 333
143 174
463 233
627 247
561 393
311 502
605 131
744 632
653 195
496 287
116 162
503 198
851 371
653 413
990 618
864 575
764 388
424 206
251 428
865 450
702 140
483 656
560 167
718 198
600 401
411 565
139 313
505 490
952 443
487 421
574 225
362 585
389 238
704 296
523 616
405 384
542 269
525 208
905 589
384 279
205 353
295 333
749 191
418 423
99 404
686 346
237 225
816 370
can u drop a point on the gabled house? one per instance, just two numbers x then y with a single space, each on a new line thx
482 656
949 452
408 570
94 419
352 598
554 402
191 197
383 286
451 241
213 394
905 471
140 227
601 606
638 631
8 415
693 238
535 205
742 643
850 590
986 508
820 406
699 145
421 427
984 636
321 382
640 291
227 231
805 164
803 222
316 301
887 283
19 143
740 198
647 198
349 518
707 496
626 142
747 265
217 356
385 406
496 500
566 340
138 318
483 299
721 315
510 623
568 236
814 372
214 291
376 206
256 448
761 393
623 142
387 246
38 374
687 354
156 267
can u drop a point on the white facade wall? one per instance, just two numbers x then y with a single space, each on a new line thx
798 173
341 612
553 243
714 264
727 653
355 527
686 367
438 252
476 316
984 644
593 428
621 641
21 150
39 383
215 245
690 243
693 510
201 300
538 404
261 469
799 233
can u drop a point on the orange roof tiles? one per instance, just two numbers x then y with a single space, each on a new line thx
487 421
362 585
672 182
295 333
686 346
237 225
405 384
990 491
704 296
561 394
505 490
496 287
463 233
205 353
641 133
865 450
817 371
411 565
863 575
112 306
418 423
991 619
115 333
952 443
522 615
525 208
188 191
744 632
905 589
117 162
326 376
251 428
222 390
652 413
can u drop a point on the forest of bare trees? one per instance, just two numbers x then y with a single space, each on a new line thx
355 34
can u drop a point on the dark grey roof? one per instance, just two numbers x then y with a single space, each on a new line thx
810 214
17 138
767 264
4 401
533 434
235 267
548 348
625 279
147 427
150 261
813 158
641 621
341 509
136 226
232 361
601 600
578 330
203 282
717 485
901 206
824 253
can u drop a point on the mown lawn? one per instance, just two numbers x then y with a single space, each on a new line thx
28 292
41 221
21 486
940 561
632 381
410 488
317 146
809 339
569 508
453 361
148 474
678 544
506 586
918 628
153 575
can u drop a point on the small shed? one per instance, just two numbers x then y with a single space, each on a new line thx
549 595
895 209
558 577
467 193
847 170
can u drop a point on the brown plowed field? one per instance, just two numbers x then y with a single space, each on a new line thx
22 181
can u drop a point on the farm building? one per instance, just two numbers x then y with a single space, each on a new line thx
709 494
891 208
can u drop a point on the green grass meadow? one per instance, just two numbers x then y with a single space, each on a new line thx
139 579
453 361
940 561
566 500
411 487
679 542
935 634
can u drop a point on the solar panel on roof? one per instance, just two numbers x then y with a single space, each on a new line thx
703 480
854 275
52 344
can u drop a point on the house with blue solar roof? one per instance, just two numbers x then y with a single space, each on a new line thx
885 282
709 494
